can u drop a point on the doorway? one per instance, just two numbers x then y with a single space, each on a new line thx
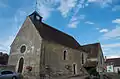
74 68
20 65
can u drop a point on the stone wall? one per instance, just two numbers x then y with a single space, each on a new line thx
28 36
53 64
45 57
101 64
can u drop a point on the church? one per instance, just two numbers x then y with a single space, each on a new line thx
41 51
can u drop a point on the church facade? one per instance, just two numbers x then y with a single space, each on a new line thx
41 51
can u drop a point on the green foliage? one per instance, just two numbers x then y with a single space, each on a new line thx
118 72
93 72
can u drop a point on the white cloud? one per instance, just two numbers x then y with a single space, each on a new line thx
82 4
114 56
19 16
116 8
81 17
73 24
75 20
5 44
116 21
111 50
102 3
15 24
103 30
92 0
89 22
110 53
66 6
45 7
45 11
97 28
79 5
111 45
113 34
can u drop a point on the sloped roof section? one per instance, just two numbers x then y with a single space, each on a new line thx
114 61
91 49
51 34
93 52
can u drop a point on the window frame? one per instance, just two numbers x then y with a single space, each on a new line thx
25 48
65 55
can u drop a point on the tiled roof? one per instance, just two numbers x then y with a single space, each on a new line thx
92 49
114 61
51 34
93 52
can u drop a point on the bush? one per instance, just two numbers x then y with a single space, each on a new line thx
118 72
94 73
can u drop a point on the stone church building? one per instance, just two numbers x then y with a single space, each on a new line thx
41 51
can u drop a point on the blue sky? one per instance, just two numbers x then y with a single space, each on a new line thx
88 21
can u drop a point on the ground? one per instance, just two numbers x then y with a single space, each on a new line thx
113 75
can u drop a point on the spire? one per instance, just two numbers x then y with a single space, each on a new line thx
35 15
36 5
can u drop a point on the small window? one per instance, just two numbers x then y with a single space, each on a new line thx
23 49
82 58
65 52
101 59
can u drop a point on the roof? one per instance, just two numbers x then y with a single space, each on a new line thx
51 34
114 61
92 49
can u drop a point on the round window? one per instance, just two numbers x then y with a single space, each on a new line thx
23 49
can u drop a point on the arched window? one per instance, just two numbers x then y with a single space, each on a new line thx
100 59
65 52
82 58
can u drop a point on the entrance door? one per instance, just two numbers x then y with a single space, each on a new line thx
74 69
20 65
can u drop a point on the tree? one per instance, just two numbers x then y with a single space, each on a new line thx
3 58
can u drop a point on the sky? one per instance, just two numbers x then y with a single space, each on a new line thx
88 21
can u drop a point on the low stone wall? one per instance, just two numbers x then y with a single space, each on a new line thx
7 67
